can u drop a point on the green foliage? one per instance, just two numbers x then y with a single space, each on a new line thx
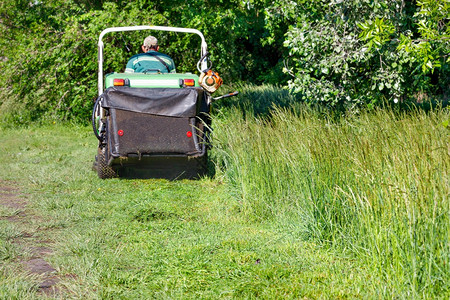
365 52
433 45
375 33
339 53
51 73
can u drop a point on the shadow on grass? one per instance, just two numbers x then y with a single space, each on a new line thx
262 100
170 168
257 100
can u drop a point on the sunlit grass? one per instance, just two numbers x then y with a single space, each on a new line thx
375 184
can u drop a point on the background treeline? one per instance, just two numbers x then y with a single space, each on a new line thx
341 52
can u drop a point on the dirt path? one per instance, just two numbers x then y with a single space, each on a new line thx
35 248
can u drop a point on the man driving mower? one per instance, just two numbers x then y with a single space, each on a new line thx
150 120
151 61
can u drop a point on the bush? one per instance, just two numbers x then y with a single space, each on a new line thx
367 52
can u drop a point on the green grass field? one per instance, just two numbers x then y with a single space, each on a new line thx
300 206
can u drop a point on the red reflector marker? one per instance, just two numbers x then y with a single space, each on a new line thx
189 82
189 134
119 82
120 132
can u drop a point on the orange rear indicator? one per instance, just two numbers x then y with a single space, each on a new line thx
189 82
119 82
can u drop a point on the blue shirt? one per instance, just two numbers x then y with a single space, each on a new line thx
148 63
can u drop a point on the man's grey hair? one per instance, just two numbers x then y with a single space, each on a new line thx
151 42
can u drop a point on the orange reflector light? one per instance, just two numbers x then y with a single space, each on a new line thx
120 132
119 82
189 82
189 134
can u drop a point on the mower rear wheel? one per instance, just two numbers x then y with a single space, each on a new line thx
104 171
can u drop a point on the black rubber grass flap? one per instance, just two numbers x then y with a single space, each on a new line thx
156 101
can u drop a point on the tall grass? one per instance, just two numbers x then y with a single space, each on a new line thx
375 184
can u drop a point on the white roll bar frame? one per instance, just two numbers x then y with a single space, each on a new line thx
204 47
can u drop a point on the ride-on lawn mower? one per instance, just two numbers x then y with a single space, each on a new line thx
154 124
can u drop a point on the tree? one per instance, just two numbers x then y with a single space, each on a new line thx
363 52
